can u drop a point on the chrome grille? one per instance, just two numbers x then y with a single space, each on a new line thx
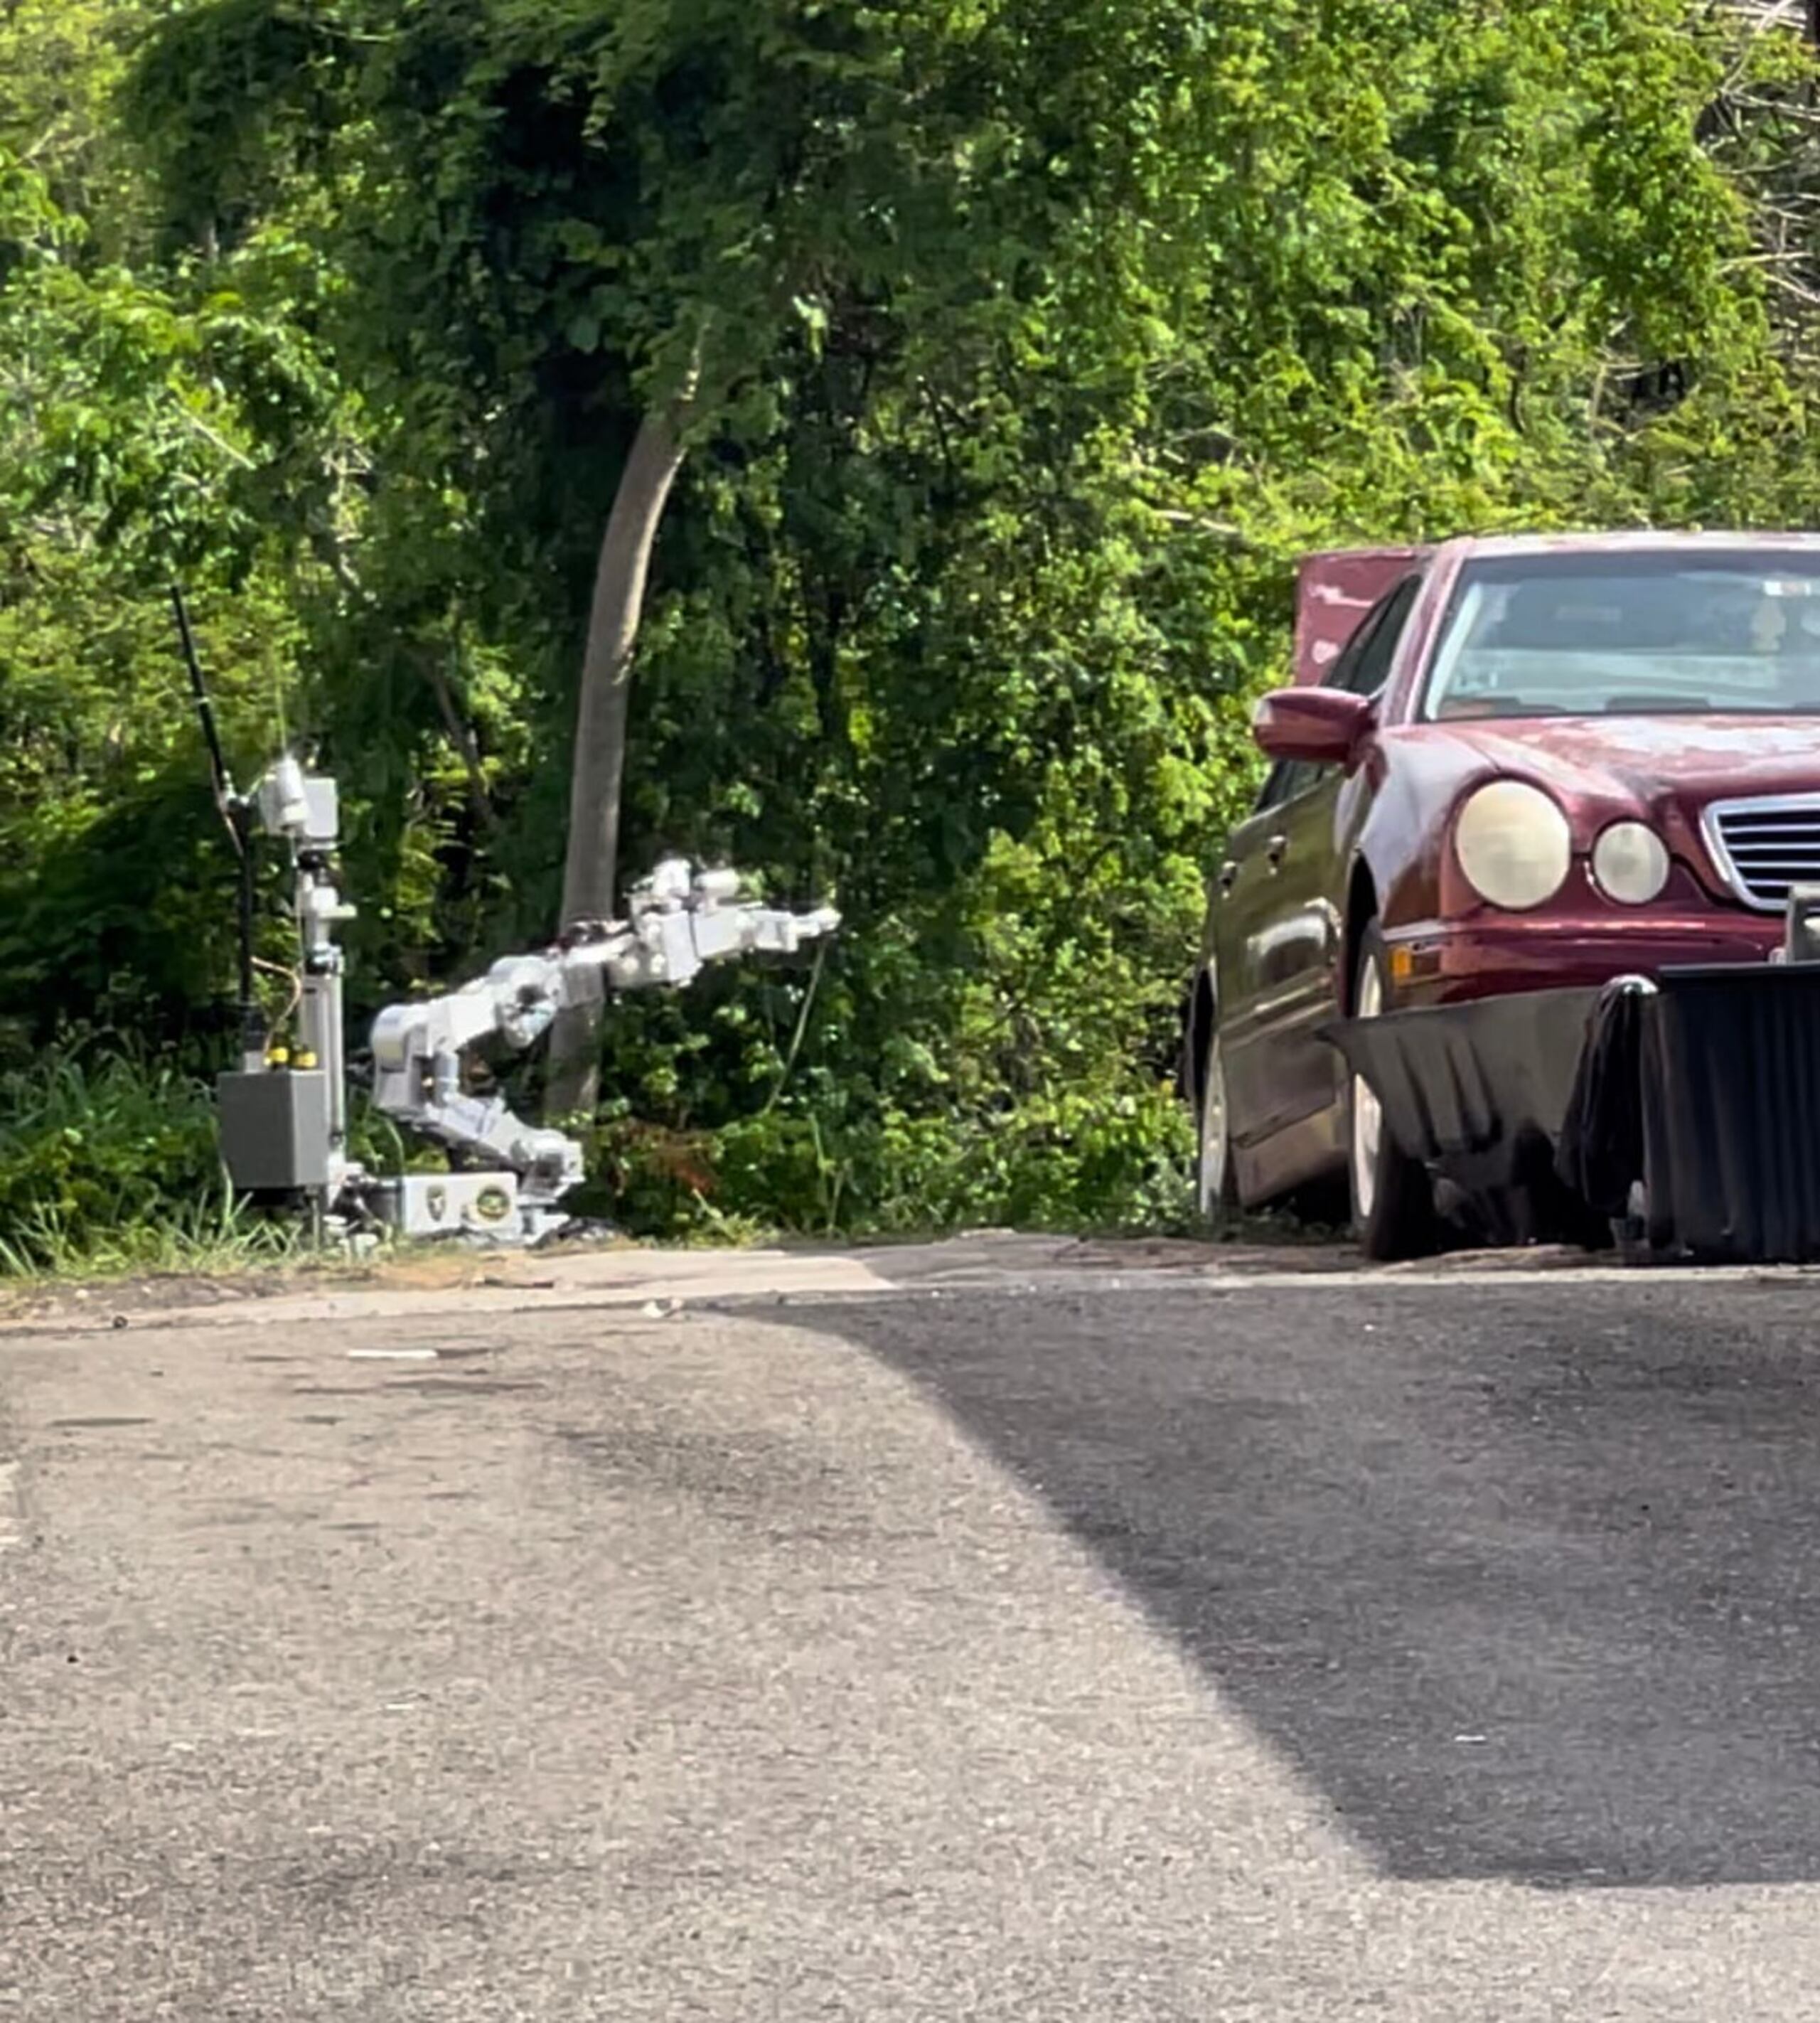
1765 847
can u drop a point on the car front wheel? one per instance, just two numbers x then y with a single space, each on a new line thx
1216 1186
1393 1200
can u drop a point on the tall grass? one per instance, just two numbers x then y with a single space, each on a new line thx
108 1163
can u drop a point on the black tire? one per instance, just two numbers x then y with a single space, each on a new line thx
1391 1196
1216 1193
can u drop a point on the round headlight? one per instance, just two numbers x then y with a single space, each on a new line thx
1514 845
1631 862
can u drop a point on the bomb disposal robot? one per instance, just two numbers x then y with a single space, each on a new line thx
283 1112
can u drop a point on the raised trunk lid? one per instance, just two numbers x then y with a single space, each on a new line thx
1333 591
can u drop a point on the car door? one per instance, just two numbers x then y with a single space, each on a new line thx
1249 932
1279 930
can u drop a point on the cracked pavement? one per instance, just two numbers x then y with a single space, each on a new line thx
994 1632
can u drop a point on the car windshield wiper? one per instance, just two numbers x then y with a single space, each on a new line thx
1649 705
1481 709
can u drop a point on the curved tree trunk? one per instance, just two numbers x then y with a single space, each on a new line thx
591 867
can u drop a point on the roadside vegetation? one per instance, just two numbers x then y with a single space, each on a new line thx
969 376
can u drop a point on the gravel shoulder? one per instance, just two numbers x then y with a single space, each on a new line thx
477 1283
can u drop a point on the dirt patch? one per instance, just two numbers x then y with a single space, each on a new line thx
1538 1257
427 1271
1187 1254
979 1256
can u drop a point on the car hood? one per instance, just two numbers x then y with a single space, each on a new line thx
1646 763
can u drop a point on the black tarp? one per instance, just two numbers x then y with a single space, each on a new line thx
1478 1092
1469 1089
1600 1153
1726 1070
1703 1086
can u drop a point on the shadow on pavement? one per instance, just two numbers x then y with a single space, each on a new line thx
1525 1580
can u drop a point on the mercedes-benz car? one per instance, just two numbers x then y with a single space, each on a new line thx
1505 766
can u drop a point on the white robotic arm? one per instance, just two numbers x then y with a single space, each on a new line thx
282 1112
679 919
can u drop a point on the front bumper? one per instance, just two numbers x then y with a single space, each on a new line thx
1495 954
1703 1088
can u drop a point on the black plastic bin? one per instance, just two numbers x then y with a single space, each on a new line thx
1728 1092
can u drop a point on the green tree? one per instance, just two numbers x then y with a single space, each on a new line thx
670 223
991 365
137 430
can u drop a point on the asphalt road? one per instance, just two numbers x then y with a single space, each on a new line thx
1348 1648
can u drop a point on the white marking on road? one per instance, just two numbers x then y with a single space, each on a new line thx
391 1355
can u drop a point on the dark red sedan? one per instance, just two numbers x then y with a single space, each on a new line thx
1532 762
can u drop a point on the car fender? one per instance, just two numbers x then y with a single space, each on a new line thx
1410 785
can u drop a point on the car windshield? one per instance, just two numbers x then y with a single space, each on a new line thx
1646 634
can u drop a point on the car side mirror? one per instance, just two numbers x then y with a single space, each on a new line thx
1319 726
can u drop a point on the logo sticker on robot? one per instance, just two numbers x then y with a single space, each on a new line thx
436 1201
493 1205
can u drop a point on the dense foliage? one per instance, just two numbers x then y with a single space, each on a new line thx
1019 347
